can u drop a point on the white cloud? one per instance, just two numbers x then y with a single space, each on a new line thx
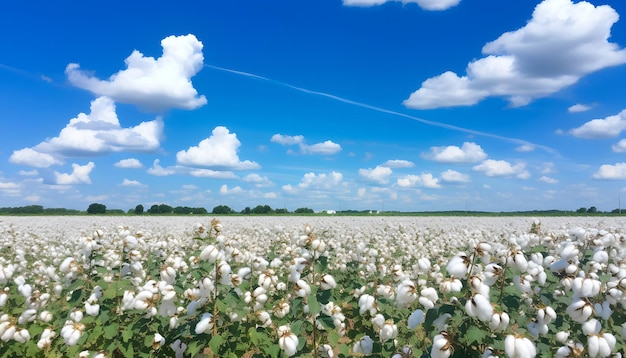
452 176
398 163
128 182
502 168
224 189
96 133
526 148
562 42
287 139
619 147
208 173
158 170
328 147
468 153
131 163
548 180
154 84
33 158
312 182
609 127
257 180
424 4
426 180
217 151
79 175
547 168
379 174
578 108
29 173
613 172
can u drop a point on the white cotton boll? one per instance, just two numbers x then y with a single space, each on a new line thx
480 307
76 315
388 331
92 309
424 265
210 253
442 348
7 330
519 347
264 318
4 297
168 275
499 321
205 324
28 315
518 261
591 327
562 336
367 303
327 282
21 335
406 293
458 265
601 256
287 341
378 321
45 316
302 288
603 310
579 310
451 285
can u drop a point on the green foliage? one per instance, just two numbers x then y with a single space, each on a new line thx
96 208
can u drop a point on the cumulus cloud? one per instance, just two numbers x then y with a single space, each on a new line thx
257 180
611 172
502 168
208 173
398 163
217 151
287 139
432 5
128 182
326 148
96 133
548 180
130 163
562 42
33 158
317 182
426 180
160 171
578 108
79 175
619 147
468 153
379 174
526 148
224 189
452 176
609 127
154 84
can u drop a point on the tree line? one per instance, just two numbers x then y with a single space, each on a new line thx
97 208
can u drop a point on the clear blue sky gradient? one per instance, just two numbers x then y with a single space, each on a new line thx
488 105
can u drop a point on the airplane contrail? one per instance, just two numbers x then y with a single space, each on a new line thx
387 111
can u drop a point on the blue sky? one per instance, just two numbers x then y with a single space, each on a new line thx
406 105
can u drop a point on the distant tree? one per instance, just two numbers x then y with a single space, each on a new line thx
581 210
154 209
165 209
281 211
304 211
592 210
262 209
221 210
96 208
139 209
246 210
616 211
199 211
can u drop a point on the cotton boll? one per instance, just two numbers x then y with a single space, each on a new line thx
442 348
415 319
363 346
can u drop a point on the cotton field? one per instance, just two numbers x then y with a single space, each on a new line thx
312 286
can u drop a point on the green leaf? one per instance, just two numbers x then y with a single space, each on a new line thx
296 327
194 347
474 335
127 334
314 306
215 343
110 331
326 321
